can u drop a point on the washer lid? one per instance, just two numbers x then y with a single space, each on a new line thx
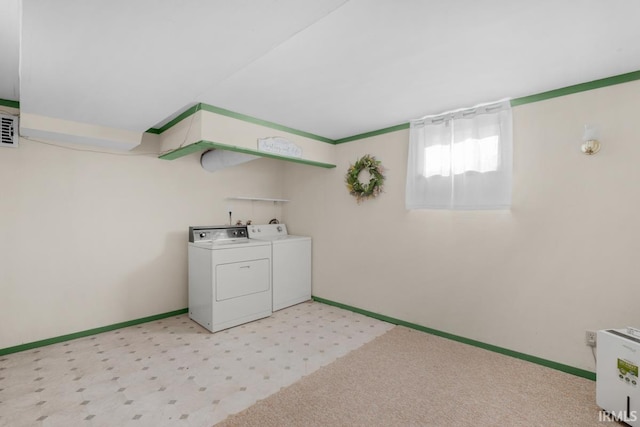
289 238
229 244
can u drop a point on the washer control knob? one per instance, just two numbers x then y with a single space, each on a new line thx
279 228
203 235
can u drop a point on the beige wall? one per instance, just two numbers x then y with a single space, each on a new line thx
532 279
88 240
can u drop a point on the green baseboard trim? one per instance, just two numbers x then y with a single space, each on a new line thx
9 103
533 359
209 145
81 334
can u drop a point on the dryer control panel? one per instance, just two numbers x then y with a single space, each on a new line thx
267 230
218 233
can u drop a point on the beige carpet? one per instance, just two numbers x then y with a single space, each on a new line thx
410 378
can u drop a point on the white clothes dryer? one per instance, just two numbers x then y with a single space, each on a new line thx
229 277
291 264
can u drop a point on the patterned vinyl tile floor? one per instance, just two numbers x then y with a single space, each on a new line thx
172 372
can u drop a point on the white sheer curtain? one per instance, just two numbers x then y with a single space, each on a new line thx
461 160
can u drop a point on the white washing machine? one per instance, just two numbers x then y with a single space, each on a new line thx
291 264
229 277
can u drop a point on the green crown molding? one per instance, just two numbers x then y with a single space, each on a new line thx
533 359
373 133
582 87
208 145
89 332
238 116
569 90
9 103
189 111
595 84
184 151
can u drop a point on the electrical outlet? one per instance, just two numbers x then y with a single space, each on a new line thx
590 338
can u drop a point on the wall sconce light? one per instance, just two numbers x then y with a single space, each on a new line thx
590 144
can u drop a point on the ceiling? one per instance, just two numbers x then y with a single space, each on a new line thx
334 68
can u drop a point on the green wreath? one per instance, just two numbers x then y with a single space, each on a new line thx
374 186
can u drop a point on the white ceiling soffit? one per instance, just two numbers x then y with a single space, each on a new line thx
129 64
9 49
335 68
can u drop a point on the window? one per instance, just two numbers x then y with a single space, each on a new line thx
461 160
479 155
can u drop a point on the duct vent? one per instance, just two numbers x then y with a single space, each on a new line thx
9 131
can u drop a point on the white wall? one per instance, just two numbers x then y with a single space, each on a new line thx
88 240
532 279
